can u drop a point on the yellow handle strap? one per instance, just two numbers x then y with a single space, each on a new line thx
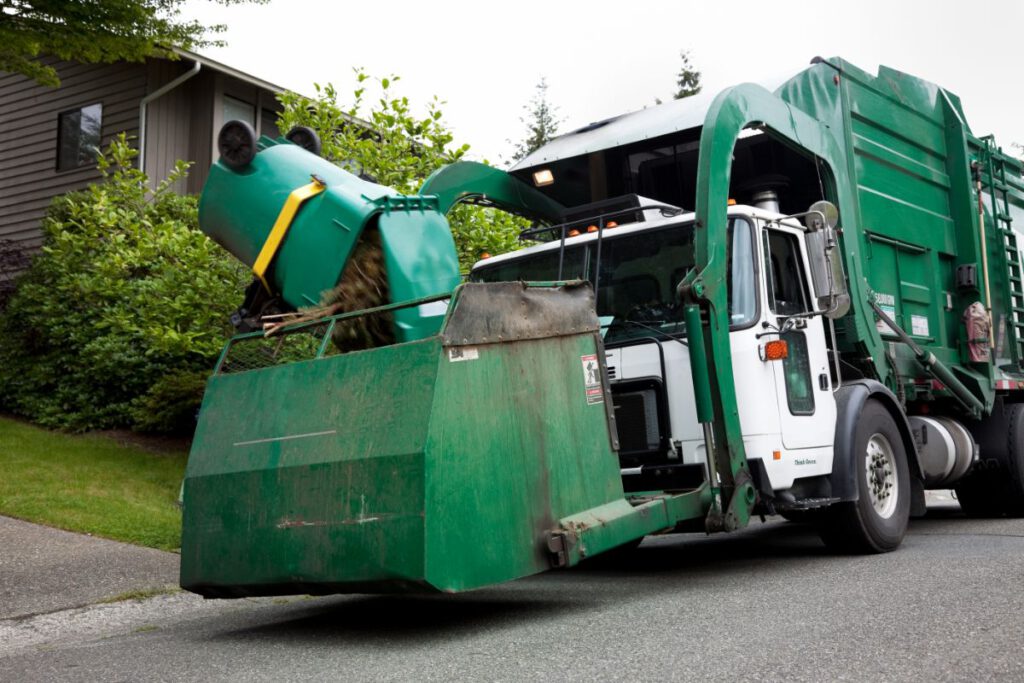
281 225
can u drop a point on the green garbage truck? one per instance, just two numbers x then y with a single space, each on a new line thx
805 302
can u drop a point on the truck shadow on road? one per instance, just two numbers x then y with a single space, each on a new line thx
660 564
407 619
757 556
772 541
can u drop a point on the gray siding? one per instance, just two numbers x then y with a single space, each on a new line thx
28 136
180 124
201 139
167 119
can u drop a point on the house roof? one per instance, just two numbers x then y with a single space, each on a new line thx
225 69
253 80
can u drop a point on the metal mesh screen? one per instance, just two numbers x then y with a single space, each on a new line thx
253 353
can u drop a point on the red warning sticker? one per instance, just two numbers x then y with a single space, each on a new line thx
592 379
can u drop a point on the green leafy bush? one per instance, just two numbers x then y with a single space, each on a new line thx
399 149
121 316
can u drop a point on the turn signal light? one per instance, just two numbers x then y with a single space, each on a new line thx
776 350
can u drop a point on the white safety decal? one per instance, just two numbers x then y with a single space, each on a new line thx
457 353
592 379
919 325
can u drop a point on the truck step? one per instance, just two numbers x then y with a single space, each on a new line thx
804 503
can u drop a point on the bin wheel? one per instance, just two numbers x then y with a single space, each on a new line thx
877 520
306 138
236 143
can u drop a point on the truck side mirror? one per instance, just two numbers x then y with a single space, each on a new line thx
827 274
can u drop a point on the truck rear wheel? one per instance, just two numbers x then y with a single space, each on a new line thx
998 489
877 520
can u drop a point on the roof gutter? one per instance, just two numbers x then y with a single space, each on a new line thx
159 92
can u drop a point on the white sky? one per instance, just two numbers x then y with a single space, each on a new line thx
606 58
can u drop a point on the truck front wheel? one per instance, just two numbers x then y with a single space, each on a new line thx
877 521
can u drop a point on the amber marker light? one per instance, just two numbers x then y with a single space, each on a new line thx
591 228
776 350
485 255
573 233
611 224
776 455
543 177
731 202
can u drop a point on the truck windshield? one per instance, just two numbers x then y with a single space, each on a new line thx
638 276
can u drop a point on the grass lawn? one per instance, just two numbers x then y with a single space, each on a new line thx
91 484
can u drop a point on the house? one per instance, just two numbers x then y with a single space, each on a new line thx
49 136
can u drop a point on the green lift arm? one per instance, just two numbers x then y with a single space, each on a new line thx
731 112
469 181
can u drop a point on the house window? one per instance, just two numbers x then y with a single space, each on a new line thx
237 110
78 137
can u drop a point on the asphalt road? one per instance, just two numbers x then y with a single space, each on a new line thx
768 603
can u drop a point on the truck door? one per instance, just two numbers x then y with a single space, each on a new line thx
803 390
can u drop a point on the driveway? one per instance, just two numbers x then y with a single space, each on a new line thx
45 570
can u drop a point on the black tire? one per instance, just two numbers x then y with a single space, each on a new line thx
996 487
980 494
236 143
306 138
861 526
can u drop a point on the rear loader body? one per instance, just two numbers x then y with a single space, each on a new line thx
681 345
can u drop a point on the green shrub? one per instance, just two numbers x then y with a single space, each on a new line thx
123 312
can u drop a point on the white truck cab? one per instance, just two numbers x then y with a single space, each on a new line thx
786 406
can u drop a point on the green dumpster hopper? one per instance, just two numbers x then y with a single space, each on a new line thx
443 464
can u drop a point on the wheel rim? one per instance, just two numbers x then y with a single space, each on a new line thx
880 471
